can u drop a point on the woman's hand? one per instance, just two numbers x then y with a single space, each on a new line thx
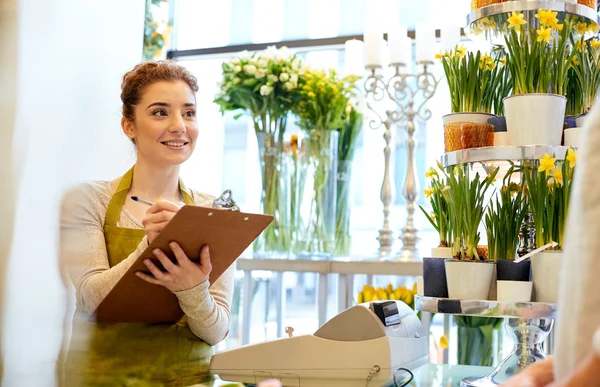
158 216
179 276
538 374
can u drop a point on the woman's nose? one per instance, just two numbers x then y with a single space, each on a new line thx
177 125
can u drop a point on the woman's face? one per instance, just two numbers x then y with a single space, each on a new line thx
165 127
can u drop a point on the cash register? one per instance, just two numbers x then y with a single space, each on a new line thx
369 344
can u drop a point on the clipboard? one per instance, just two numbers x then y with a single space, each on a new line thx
227 233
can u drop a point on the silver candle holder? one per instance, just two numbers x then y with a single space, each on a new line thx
402 88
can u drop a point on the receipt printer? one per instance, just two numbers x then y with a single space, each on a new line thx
363 345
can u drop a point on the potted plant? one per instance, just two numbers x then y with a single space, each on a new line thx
583 85
264 86
503 221
434 271
548 189
323 108
468 275
475 82
538 60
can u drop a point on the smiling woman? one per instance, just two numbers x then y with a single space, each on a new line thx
104 231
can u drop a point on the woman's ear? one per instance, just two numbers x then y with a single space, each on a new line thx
127 127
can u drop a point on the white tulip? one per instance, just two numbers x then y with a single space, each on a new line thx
262 63
237 68
236 81
283 77
289 86
260 73
294 78
272 78
265 90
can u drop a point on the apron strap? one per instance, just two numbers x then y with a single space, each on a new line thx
117 201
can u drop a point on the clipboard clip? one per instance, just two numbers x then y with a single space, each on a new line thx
225 202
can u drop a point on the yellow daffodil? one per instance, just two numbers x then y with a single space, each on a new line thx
558 176
550 186
428 192
504 188
414 288
461 51
514 187
595 43
547 18
547 163
579 45
488 62
432 216
558 27
581 28
576 60
503 61
430 173
571 157
593 27
516 20
544 34
439 56
444 342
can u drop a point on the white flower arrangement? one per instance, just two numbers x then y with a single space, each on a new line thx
264 84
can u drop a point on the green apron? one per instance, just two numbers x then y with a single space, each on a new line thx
132 354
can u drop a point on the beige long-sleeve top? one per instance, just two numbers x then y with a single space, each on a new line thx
84 257
579 294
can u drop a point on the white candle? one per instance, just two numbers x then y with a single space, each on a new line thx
354 58
396 37
450 37
425 36
373 46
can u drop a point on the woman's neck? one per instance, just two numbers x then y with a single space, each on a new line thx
153 183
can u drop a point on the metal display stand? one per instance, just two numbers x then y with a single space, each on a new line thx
527 323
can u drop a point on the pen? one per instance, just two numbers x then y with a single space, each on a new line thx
148 202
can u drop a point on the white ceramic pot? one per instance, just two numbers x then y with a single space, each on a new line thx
514 291
501 139
572 137
474 118
545 270
535 119
420 287
579 121
469 279
441 252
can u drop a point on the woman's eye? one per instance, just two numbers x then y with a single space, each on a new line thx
159 112
190 113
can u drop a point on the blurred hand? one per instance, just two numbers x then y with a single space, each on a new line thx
158 216
536 375
179 276
269 383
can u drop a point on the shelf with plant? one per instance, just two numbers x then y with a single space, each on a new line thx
265 86
324 110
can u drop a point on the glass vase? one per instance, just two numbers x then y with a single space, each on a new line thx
343 240
479 341
275 241
315 221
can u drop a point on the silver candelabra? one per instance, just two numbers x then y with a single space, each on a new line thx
402 89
